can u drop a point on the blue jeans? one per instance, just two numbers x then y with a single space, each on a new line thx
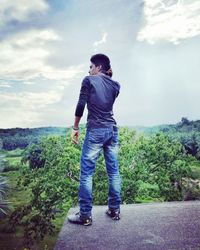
97 139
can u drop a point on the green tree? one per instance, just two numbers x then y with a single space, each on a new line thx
151 168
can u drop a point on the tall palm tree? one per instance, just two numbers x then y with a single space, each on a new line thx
4 188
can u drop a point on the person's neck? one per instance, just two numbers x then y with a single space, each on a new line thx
104 74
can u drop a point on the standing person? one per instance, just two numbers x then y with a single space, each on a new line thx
99 91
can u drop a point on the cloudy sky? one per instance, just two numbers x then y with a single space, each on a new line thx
45 47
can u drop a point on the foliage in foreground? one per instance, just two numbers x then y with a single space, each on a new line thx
152 168
4 204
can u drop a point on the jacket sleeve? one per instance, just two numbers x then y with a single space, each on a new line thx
83 97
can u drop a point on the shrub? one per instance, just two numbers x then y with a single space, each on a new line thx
4 204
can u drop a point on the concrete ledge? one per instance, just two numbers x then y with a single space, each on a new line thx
152 226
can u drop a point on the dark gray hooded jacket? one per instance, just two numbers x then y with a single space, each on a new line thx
99 92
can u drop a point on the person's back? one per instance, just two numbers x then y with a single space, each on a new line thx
99 91
103 92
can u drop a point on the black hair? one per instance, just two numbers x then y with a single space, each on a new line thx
101 59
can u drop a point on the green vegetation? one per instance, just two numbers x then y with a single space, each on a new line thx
4 187
44 179
186 132
19 196
14 138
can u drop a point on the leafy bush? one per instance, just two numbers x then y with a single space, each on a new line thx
53 186
162 164
32 155
151 168
4 204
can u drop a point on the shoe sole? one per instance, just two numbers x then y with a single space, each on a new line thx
89 223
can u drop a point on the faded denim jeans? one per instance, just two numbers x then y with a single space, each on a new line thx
97 139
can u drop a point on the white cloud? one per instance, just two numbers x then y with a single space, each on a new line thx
20 9
27 108
29 82
103 40
33 100
171 21
35 38
24 56
20 117
5 85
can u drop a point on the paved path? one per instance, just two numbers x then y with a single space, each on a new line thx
159 226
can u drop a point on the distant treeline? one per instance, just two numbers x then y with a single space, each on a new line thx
21 137
184 126
187 132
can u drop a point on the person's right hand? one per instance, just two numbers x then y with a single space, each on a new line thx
74 136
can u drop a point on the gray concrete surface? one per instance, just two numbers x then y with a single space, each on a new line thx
165 226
